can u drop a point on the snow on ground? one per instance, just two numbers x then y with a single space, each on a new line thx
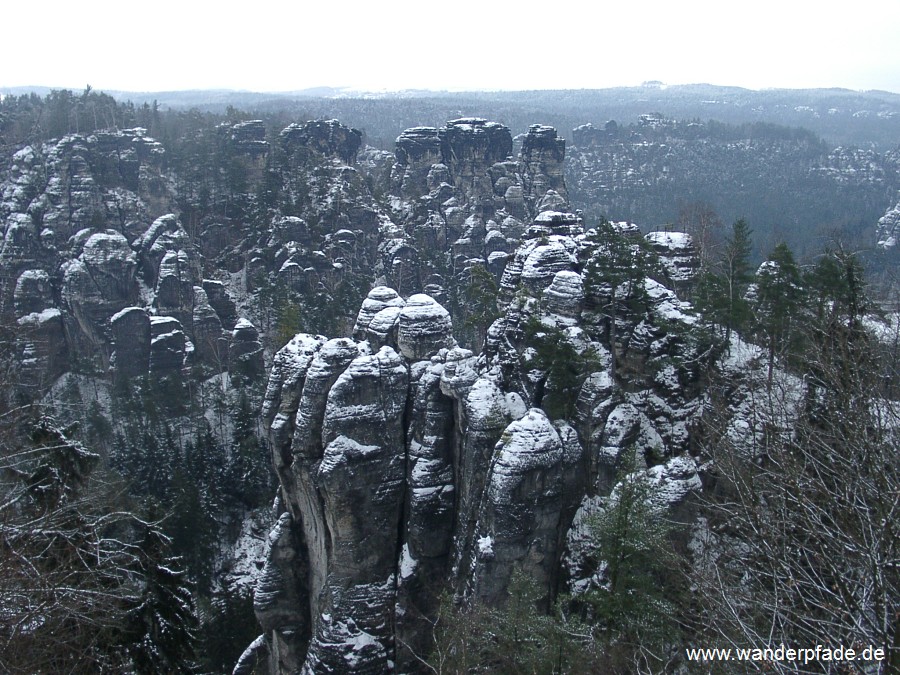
667 305
215 395
671 240
886 330
742 356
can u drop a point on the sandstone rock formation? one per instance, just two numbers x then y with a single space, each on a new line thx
408 463
887 231
416 452
679 258
245 353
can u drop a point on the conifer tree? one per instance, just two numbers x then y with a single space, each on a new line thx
74 567
721 287
737 276
778 302
803 541
160 624
564 366
480 302
633 610
614 277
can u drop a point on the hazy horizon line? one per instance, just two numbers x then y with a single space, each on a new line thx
647 84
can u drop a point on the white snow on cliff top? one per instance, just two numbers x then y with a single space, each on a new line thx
672 240
667 304
40 317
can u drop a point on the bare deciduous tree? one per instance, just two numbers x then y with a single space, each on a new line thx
803 545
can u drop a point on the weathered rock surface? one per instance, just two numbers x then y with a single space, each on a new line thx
541 165
535 472
373 471
41 350
96 285
168 354
245 353
221 302
210 344
458 187
32 293
408 464
131 342
325 137
424 328
887 231
679 258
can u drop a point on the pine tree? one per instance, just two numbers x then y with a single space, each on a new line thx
841 356
565 368
76 562
720 294
248 476
518 637
778 303
737 276
614 277
634 608
230 626
191 525
160 624
480 302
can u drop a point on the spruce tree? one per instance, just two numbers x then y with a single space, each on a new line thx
160 624
79 566
480 302
737 276
614 277
778 303
634 607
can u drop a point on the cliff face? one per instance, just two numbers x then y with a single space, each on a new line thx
390 474
887 231
411 466
68 210
95 226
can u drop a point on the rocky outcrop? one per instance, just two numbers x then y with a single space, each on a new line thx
383 456
68 210
169 349
328 138
541 166
424 328
221 302
249 137
245 354
458 187
407 463
41 350
679 258
95 285
587 135
175 287
164 236
411 461
57 189
540 466
887 231
210 344
131 342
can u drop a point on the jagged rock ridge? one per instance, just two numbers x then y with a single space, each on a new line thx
409 464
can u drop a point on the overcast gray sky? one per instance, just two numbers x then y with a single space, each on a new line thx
266 45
